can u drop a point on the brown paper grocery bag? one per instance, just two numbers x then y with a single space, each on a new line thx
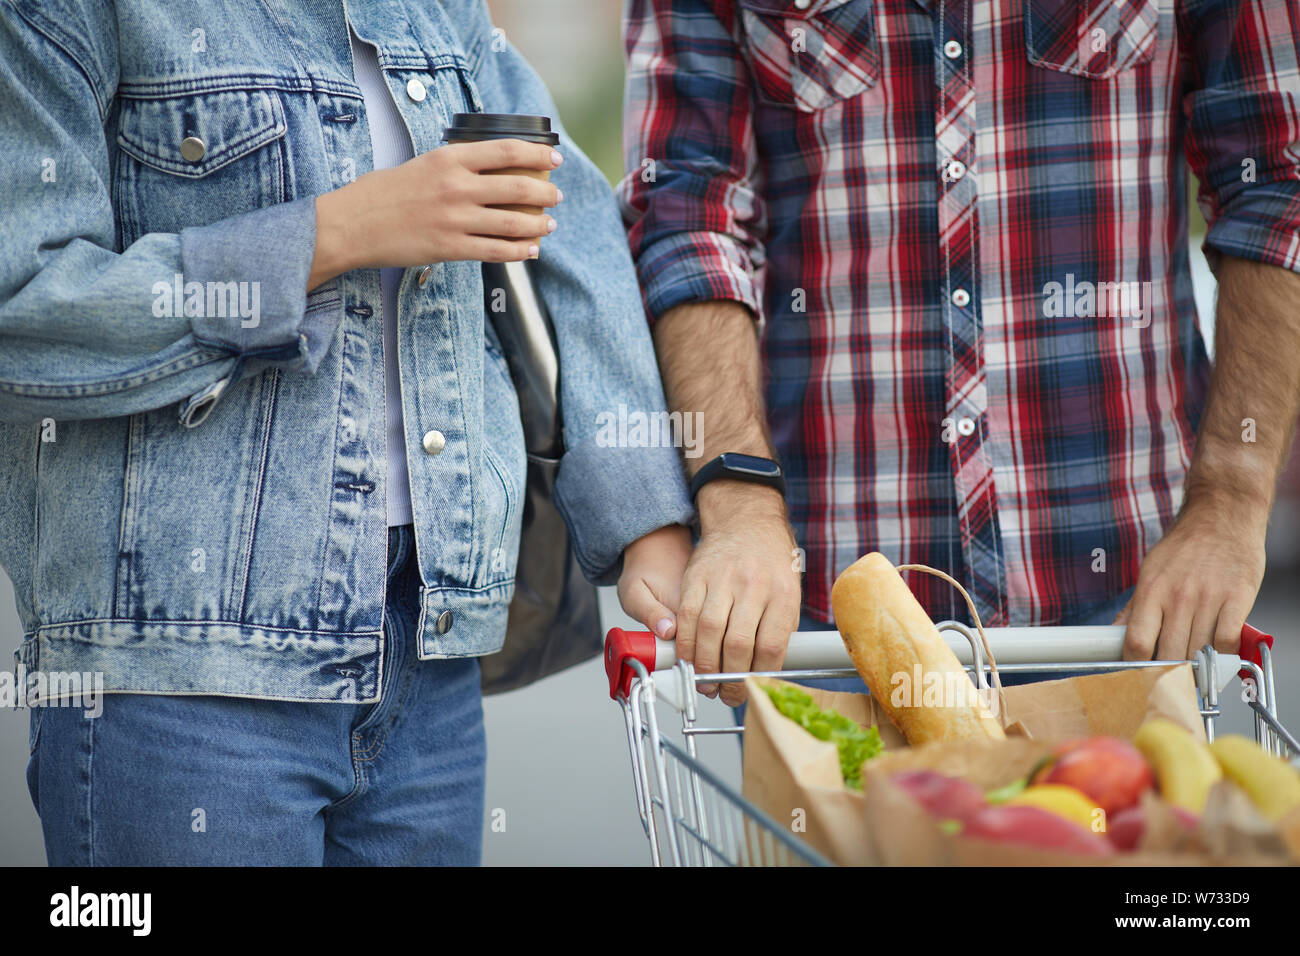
795 778
901 832
1115 704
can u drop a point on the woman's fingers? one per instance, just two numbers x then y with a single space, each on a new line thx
506 154
489 249
495 190
511 225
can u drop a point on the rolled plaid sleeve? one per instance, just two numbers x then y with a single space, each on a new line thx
691 196
1243 132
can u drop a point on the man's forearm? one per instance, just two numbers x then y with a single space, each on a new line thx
741 589
1254 390
1198 584
709 362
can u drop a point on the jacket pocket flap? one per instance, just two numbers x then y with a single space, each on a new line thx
199 133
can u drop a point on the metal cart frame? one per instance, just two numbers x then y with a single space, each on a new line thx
692 817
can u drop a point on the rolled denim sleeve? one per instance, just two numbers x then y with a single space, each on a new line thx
610 491
84 332
271 249
1243 132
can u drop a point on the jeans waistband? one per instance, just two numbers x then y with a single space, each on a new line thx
401 542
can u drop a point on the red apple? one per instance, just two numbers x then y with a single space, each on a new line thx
1125 829
1109 770
944 797
1033 827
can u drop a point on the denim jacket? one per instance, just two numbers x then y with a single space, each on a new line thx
192 448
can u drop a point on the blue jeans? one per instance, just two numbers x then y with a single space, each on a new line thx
1099 615
215 781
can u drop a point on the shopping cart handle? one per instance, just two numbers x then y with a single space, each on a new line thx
621 648
1251 639
825 649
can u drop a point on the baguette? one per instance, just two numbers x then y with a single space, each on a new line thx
893 642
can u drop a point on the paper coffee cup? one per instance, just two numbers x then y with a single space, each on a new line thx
478 127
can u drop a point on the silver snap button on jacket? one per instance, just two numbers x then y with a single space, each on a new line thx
423 277
444 622
415 90
193 149
434 442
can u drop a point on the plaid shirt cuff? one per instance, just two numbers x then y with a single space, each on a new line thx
698 267
1262 225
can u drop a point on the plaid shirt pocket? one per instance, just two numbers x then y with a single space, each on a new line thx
813 58
1092 38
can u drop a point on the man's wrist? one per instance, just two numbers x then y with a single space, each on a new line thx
728 500
1238 476
1247 512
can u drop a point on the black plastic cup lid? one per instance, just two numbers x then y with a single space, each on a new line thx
472 127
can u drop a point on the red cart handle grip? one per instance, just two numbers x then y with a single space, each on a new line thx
621 647
1251 638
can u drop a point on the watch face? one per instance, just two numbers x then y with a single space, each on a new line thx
751 464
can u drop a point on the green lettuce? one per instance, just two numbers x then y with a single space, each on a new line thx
856 744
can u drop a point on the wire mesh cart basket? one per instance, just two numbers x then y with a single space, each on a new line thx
693 817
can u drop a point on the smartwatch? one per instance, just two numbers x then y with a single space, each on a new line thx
737 467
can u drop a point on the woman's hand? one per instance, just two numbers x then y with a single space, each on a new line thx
437 207
650 586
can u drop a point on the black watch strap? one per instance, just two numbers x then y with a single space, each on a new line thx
738 467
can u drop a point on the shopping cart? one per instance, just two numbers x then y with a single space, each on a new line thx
692 817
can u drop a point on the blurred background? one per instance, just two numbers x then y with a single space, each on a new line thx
559 774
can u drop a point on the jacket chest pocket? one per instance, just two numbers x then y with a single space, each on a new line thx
194 159
810 54
1092 38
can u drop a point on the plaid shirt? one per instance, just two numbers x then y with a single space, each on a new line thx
964 227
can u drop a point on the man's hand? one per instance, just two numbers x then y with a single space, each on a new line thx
1198 584
740 596
650 586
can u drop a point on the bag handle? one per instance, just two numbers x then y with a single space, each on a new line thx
979 626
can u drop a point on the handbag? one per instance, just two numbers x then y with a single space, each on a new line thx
554 620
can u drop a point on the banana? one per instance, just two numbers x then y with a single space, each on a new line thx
1057 798
1184 766
1270 782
